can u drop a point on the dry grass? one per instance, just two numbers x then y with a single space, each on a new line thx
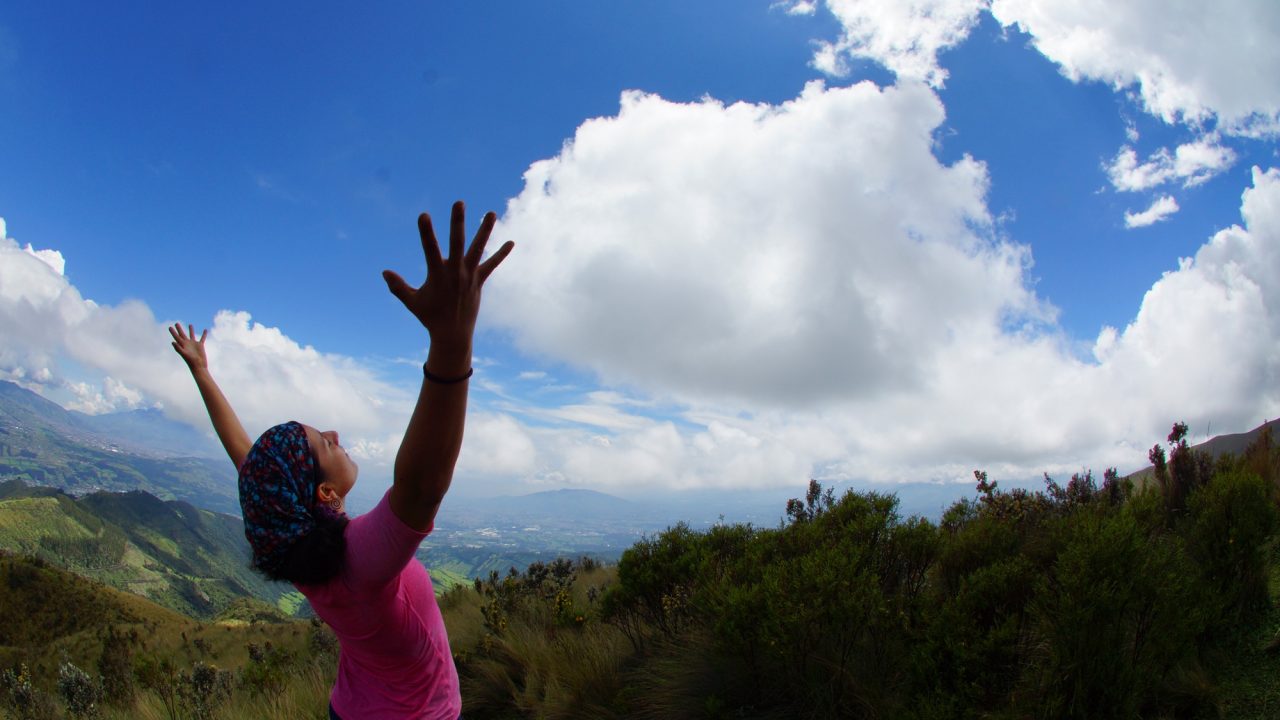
304 697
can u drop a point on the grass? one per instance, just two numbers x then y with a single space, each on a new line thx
290 602
306 697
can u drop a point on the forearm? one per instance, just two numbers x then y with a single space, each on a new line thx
429 452
225 423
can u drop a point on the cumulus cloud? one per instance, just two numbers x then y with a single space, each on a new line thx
1192 163
1190 61
268 376
112 396
819 296
755 251
904 36
1160 209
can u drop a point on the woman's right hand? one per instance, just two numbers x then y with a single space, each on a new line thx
191 349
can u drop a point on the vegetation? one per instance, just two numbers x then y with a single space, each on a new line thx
190 560
43 444
1085 600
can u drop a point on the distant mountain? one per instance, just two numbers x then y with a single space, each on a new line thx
189 560
565 503
149 432
44 444
19 406
140 432
1238 442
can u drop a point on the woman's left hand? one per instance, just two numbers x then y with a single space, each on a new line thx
448 302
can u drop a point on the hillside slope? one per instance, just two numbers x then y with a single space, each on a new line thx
189 560
1220 445
44 444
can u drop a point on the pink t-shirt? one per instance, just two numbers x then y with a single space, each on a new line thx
394 660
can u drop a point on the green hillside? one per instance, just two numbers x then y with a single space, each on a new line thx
54 616
190 560
43 444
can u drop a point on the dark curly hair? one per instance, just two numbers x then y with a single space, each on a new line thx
317 557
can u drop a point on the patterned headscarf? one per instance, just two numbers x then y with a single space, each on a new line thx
277 493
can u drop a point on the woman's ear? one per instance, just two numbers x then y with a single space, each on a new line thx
326 495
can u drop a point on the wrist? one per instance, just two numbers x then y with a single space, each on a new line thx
448 360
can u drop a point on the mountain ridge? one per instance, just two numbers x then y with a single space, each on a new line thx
45 444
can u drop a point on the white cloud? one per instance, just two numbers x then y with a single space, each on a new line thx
984 394
1191 61
113 396
757 252
52 258
798 7
1197 162
1161 208
1192 163
497 446
904 36
821 297
268 376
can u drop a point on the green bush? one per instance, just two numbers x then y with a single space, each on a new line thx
1114 621
1230 521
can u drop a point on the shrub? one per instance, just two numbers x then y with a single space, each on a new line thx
22 698
163 678
116 669
653 575
1230 520
267 670
203 689
1112 622
81 693
321 642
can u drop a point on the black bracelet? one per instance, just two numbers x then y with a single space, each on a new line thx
445 381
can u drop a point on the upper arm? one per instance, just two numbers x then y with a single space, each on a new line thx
238 451
413 507
379 545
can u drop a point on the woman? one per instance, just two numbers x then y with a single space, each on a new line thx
359 573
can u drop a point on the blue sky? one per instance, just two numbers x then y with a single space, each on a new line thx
756 242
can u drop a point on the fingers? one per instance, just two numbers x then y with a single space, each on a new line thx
398 287
175 332
457 231
476 251
191 332
493 262
430 246
204 335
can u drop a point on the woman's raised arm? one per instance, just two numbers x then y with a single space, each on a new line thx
447 304
225 423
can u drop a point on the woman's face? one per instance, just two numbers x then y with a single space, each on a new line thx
334 468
